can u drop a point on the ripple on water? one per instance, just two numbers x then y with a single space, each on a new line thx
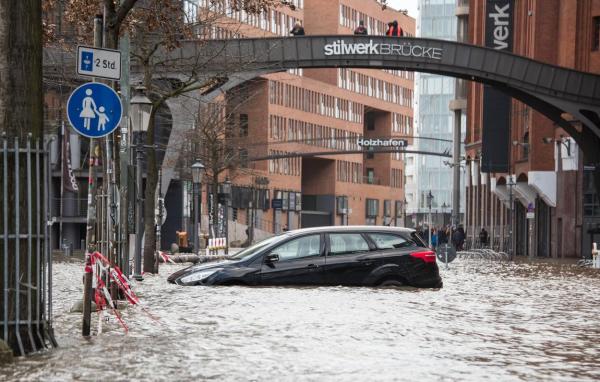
492 320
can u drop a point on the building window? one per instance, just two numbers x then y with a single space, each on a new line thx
243 158
372 208
387 208
526 146
370 176
596 29
243 125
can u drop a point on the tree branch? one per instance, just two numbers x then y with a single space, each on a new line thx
122 12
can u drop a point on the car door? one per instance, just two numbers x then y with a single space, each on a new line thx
300 262
347 261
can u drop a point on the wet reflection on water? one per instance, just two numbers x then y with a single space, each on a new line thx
492 320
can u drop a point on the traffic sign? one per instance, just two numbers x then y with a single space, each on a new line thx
94 110
446 253
277 204
95 62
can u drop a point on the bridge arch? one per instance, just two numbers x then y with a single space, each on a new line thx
552 90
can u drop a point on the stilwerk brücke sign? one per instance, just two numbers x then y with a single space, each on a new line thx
341 47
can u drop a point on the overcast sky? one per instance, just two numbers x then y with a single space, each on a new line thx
410 5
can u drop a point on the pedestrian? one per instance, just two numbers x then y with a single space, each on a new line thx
483 237
442 238
285 228
434 238
458 239
361 29
298 29
394 30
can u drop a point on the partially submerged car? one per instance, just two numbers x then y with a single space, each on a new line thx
338 255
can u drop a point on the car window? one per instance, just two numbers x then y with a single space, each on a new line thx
389 241
252 250
305 246
345 243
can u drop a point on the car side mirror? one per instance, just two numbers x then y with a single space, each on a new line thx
272 258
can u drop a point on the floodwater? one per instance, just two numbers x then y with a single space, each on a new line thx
493 320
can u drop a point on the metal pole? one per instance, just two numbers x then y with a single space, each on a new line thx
124 155
510 219
137 269
91 215
160 213
456 168
429 227
226 227
196 209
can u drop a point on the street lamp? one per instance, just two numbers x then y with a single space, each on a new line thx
139 110
227 194
197 174
511 183
444 206
429 202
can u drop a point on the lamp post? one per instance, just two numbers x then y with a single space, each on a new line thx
227 195
139 110
429 202
444 206
197 174
511 183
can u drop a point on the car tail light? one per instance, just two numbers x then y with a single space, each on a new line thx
426 256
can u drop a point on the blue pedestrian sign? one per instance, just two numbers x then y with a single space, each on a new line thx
94 110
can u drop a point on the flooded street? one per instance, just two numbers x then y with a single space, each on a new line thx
491 321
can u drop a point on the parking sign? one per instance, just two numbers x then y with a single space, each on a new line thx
95 62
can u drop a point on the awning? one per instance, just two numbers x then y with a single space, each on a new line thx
501 191
525 193
544 183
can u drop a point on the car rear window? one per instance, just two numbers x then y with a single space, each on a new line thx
389 241
347 243
392 241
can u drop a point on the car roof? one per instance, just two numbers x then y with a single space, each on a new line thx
350 228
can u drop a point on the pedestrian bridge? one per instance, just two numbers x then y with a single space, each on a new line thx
561 94
550 89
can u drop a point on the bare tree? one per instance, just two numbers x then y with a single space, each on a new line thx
221 141
156 28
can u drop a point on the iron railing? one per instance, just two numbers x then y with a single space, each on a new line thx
26 264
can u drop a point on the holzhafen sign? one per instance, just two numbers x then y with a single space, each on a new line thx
408 50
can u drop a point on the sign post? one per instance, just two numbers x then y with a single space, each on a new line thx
94 110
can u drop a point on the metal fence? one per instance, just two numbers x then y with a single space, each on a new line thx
25 261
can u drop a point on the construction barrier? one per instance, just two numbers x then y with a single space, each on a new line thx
101 268
214 245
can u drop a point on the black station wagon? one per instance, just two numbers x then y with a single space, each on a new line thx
340 255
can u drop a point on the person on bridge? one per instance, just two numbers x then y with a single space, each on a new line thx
361 29
298 29
394 30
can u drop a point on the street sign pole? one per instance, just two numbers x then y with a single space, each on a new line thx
91 216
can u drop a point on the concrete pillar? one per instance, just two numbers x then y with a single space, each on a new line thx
456 168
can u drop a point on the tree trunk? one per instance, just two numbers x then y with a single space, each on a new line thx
215 203
21 113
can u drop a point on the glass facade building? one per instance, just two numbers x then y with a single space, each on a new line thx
434 125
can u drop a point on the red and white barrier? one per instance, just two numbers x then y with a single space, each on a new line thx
100 267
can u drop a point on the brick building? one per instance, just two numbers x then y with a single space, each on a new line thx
320 110
547 178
